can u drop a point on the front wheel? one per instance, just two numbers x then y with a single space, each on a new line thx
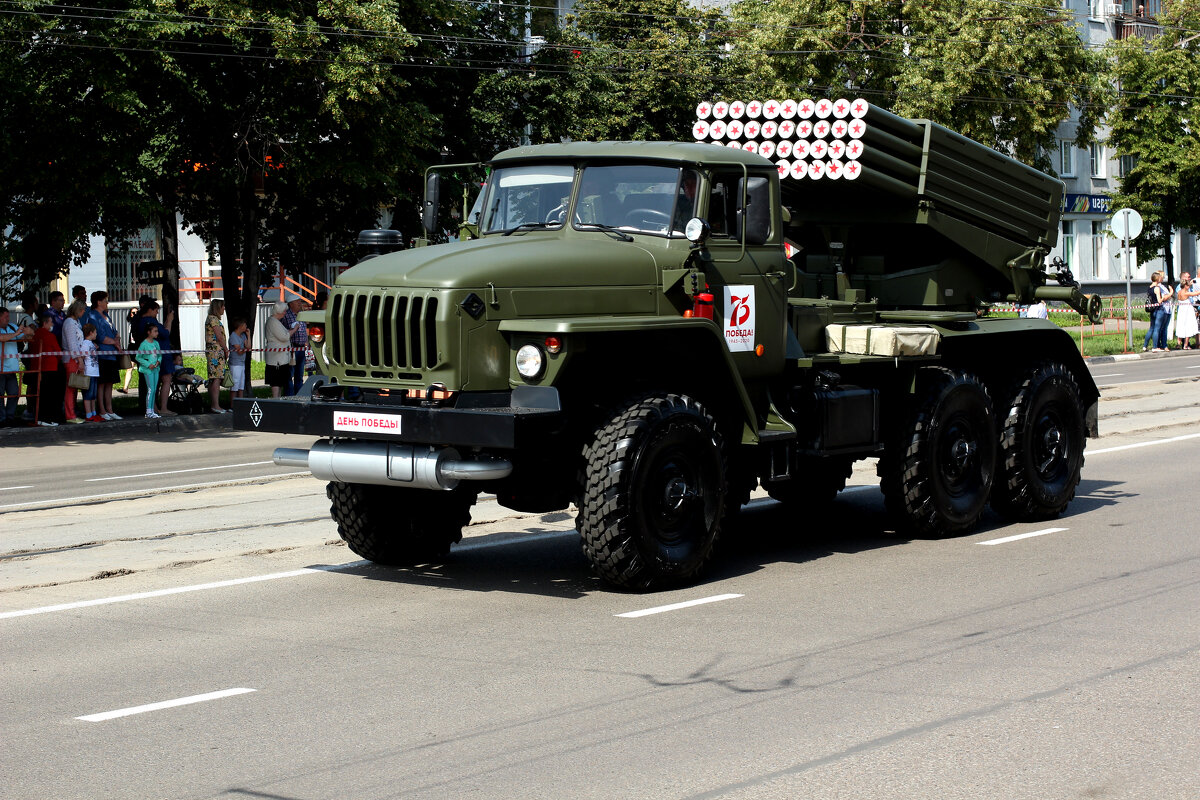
398 526
655 492
1041 446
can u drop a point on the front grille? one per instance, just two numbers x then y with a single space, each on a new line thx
379 332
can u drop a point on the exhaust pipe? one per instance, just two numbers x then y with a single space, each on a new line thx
383 464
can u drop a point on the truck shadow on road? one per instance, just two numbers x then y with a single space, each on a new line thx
544 557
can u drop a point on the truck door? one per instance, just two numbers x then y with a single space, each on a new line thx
747 274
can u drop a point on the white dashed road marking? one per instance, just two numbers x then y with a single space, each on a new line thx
178 471
645 612
182 701
1024 536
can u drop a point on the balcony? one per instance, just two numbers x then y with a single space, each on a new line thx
1136 19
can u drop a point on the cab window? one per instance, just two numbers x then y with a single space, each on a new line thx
724 205
638 198
528 195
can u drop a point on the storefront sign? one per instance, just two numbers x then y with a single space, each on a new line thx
1087 204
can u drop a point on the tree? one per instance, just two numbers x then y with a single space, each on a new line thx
1002 73
71 142
1156 127
618 69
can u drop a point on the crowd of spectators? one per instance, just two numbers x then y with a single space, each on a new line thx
1172 313
57 357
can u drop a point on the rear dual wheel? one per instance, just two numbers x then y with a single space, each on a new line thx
938 470
1042 437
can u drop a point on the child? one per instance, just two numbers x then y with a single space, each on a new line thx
148 358
238 347
90 366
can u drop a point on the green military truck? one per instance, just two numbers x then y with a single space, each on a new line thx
650 331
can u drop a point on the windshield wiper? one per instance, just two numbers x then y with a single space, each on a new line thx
613 229
530 226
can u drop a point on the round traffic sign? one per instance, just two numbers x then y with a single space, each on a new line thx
1126 224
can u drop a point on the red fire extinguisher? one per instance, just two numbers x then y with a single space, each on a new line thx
702 304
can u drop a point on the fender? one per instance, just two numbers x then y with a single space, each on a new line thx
702 330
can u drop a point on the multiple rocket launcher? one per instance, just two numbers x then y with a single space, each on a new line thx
807 138
942 197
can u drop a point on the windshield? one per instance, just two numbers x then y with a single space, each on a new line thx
530 196
638 198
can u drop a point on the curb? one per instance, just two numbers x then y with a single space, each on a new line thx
123 427
1131 356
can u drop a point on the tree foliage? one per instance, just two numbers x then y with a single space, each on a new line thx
618 69
1001 73
1155 123
71 142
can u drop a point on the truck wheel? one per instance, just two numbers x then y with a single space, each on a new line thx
1041 446
815 482
399 526
939 472
655 492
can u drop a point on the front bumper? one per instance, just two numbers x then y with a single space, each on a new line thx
491 420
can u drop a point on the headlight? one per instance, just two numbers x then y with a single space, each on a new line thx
316 333
530 361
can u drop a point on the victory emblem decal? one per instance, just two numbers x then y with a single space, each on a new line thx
739 318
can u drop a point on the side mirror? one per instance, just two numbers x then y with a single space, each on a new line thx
433 193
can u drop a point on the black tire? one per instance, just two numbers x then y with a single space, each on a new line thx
655 493
938 471
815 482
398 526
1041 446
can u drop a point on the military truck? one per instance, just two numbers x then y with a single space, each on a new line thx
650 331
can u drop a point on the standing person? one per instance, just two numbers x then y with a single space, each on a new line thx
216 353
1165 293
1157 297
278 356
72 344
57 302
1185 310
239 345
90 366
132 320
28 317
148 361
107 345
299 340
166 372
10 366
47 379
79 293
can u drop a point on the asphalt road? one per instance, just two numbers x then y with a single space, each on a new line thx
36 471
839 661
235 649
1127 369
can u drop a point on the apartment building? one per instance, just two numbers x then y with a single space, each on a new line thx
1091 174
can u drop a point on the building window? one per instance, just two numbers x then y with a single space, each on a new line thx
1099 250
1068 244
1097 8
1098 160
1066 158
1126 164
